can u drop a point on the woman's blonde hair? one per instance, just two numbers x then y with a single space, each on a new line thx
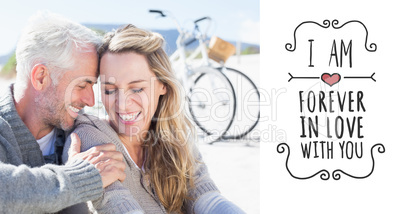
169 144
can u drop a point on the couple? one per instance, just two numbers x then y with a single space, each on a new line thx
141 160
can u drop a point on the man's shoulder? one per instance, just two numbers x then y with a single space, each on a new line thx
8 113
8 144
5 127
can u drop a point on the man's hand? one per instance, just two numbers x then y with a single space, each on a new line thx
106 159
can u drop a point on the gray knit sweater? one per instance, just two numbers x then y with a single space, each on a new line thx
136 194
27 184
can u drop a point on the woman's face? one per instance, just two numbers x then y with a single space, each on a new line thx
130 92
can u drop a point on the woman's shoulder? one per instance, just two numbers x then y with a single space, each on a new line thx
93 131
86 119
91 122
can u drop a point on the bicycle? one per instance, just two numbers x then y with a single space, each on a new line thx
212 100
248 104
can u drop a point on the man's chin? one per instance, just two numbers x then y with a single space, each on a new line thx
67 128
67 125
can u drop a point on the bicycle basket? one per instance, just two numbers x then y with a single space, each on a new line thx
220 50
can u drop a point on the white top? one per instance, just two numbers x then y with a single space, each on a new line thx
46 143
142 167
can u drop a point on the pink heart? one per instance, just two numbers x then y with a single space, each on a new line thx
331 79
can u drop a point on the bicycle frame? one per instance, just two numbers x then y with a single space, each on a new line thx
180 59
189 71
179 56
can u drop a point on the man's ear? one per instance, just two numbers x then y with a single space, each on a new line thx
40 77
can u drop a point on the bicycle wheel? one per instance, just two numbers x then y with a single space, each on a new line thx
248 104
212 103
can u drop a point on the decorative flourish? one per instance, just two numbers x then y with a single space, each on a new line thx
347 77
373 46
324 174
292 77
290 47
326 23
362 77
337 173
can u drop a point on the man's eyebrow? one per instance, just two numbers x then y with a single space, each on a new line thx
90 81
108 83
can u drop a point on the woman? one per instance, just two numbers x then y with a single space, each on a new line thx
146 122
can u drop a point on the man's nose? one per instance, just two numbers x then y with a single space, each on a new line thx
88 97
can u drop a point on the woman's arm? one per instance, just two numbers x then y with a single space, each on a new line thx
116 198
214 202
207 198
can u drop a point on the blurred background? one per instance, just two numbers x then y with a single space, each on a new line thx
234 165
232 20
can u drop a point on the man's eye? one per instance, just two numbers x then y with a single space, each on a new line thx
82 86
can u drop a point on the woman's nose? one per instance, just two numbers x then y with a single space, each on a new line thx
124 99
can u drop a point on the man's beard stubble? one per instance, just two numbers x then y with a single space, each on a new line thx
52 109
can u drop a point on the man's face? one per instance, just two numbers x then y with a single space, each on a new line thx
72 93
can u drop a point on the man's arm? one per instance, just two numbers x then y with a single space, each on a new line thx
51 188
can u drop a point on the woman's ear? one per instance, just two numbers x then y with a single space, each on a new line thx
40 77
164 89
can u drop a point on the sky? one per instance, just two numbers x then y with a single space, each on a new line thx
235 20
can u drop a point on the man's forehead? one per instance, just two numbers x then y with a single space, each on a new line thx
88 79
86 63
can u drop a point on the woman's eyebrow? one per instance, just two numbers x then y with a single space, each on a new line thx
132 82
136 81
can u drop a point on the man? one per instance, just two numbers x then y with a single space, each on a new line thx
56 69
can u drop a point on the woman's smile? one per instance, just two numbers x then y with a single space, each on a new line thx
129 118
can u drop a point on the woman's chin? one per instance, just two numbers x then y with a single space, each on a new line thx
132 129
129 129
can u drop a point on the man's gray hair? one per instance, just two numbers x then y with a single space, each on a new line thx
52 40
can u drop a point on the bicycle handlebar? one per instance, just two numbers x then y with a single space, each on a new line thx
163 14
179 28
201 19
158 11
